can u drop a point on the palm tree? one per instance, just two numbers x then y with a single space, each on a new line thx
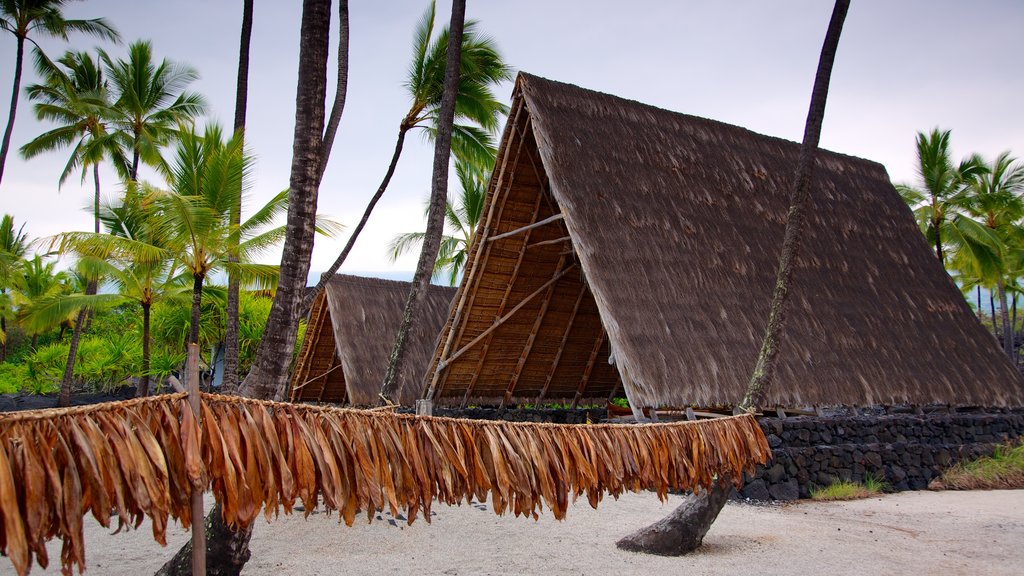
462 216
13 247
38 280
151 103
74 94
477 111
208 176
438 201
997 204
39 17
942 190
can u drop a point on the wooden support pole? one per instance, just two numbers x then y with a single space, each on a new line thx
547 242
561 346
517 372
522 229
590 367
690 414
198 517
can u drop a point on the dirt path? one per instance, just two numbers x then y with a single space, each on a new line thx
912 532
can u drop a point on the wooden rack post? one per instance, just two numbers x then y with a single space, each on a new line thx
198 517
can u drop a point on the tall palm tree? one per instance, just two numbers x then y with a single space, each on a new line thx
74 94
943 187
39 17
477 111
438 200
996 202
461 216
13 247
151 103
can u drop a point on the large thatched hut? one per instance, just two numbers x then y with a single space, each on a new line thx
631 249
349 337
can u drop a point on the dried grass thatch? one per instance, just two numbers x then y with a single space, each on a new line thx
615 230
140 458
350 335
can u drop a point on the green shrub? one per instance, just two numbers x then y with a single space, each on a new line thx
12 377
843 490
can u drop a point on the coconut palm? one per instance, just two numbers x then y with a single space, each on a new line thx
38 280
151 103
39 17
477 111
461 216
74 95
13 247
208 176
996 203
943 187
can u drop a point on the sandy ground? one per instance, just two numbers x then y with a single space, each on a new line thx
907 533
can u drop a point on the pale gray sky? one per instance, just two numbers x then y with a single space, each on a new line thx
902 66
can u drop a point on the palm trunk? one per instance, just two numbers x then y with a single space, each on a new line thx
393 381
936 224
197 300
133 174
230 381
694 517
992 308
143 387
19 59
978 290
341 90
227 550
96 198
1004 313
326 276
64 398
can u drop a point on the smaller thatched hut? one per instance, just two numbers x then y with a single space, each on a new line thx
351 331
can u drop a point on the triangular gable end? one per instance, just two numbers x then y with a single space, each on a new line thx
664 229
524 327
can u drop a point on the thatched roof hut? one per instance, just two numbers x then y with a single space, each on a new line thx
625 245
349 337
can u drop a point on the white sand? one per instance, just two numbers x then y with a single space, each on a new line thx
912 532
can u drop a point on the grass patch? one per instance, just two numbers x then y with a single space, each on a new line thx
1004 469
842 490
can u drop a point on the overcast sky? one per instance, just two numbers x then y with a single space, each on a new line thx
902 66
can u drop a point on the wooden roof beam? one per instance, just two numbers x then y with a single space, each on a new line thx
561 346
522 229
590 367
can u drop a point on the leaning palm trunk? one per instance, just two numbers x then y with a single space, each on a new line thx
438 201
257 456
684 530
326 276
15 92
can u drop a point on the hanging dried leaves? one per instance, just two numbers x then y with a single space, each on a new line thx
140 458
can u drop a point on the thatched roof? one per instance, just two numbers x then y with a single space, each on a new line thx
666 231
351 331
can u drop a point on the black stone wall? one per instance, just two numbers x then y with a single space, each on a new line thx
906 451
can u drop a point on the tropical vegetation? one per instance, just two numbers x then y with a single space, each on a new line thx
972 213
